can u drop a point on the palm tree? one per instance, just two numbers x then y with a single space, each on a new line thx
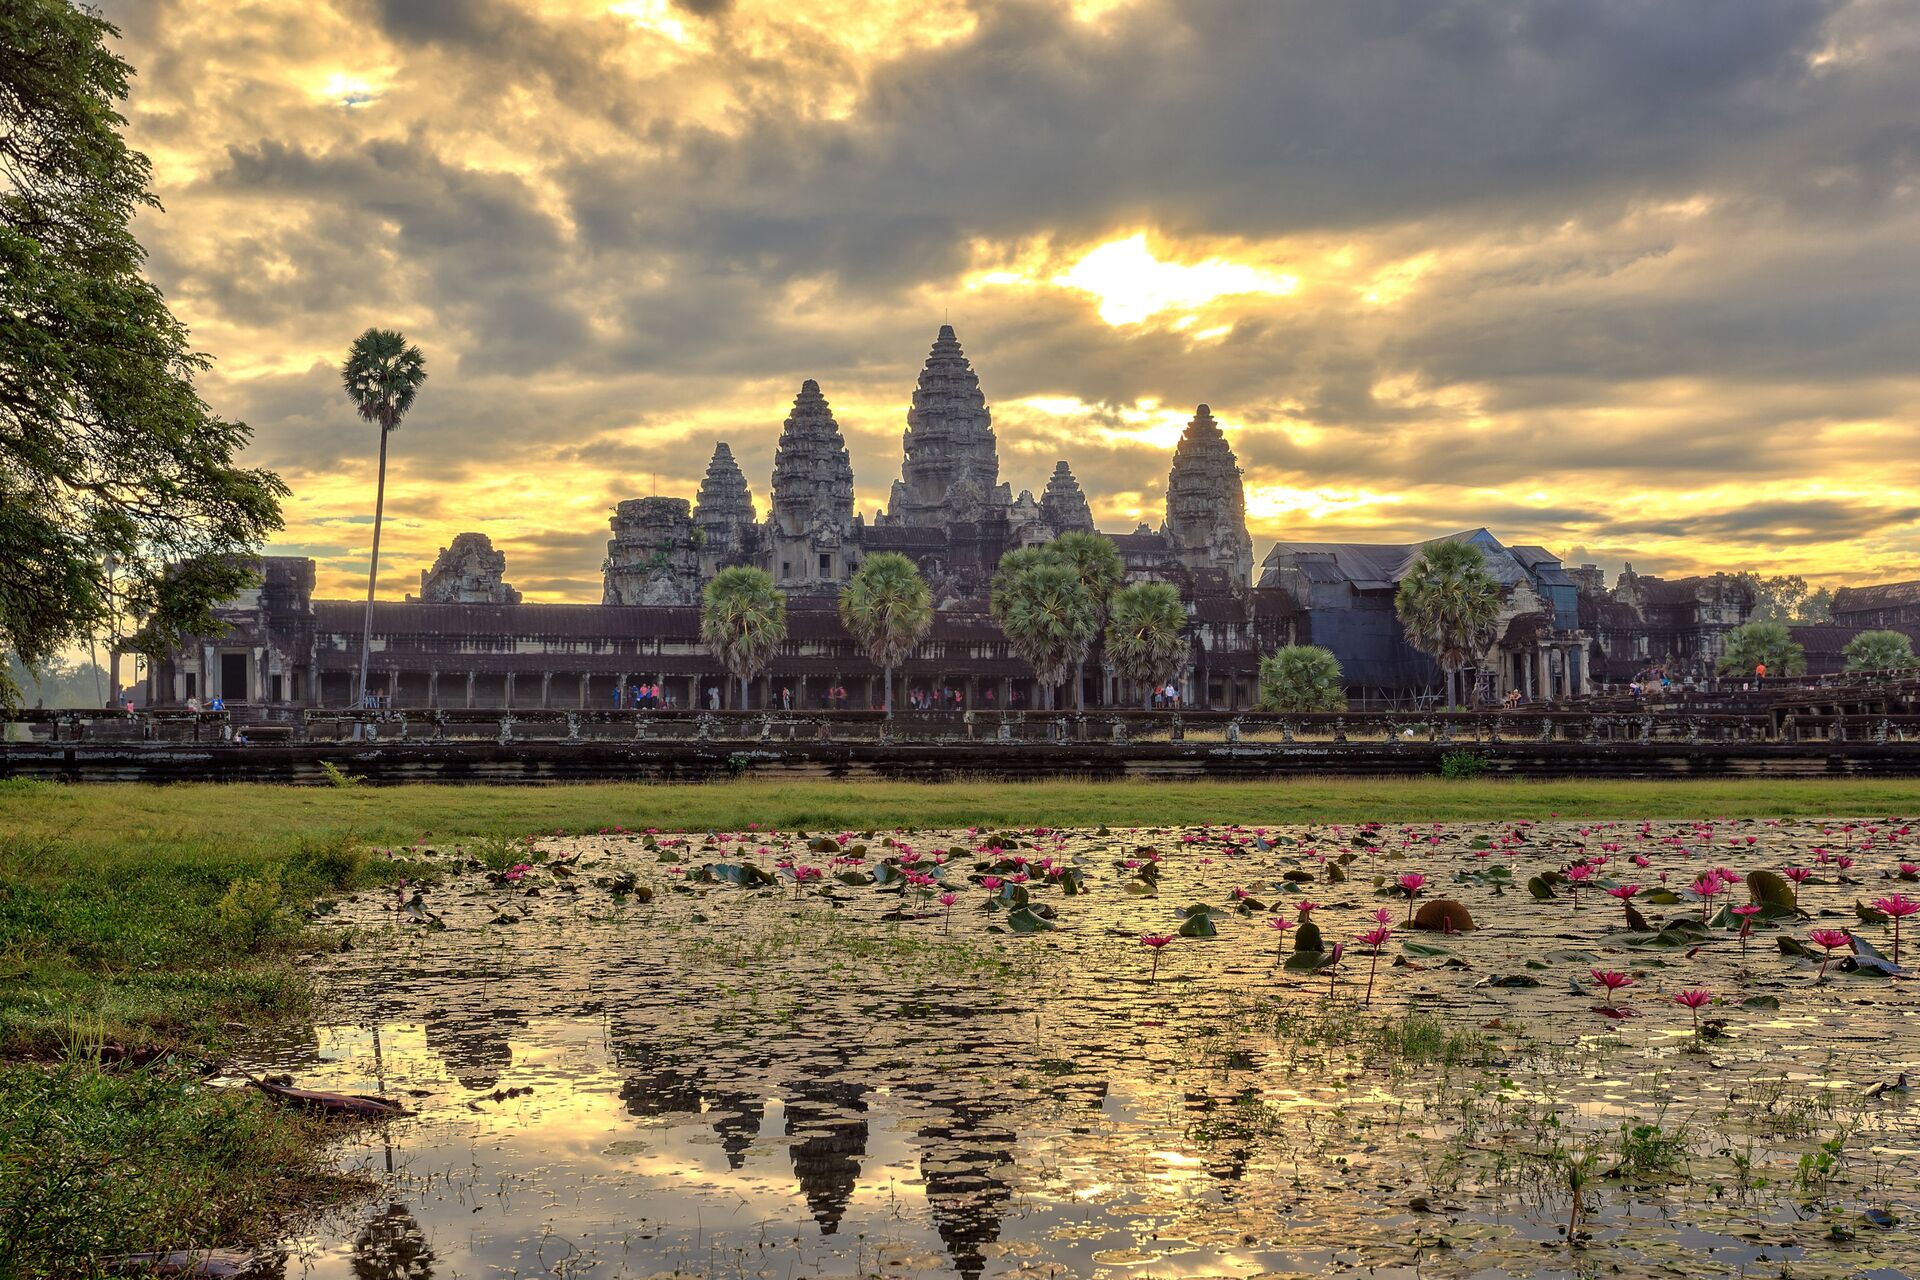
1879 651
382 375
887 607
743 619
1762 642
1302 677
1147 635
1096 562
1046 613
1448 605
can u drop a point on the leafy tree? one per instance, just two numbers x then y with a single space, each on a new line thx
1757 642
119 493
743 619
60 683
1786 598
1147 635
1046 613
1097 563
1302 677
1879 651
382 375
1448 605
889 610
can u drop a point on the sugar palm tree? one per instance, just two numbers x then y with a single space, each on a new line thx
743 619
1302 677
1046 613
1147 635
382 375
1448 605
1879 651
1755 643
887 607
1096 562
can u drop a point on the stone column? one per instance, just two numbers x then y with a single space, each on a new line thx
470 680
433 687
1545 676
393 687
546 689
506 692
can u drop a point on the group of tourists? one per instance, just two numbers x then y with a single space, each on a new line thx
936 699
642 697
1166 697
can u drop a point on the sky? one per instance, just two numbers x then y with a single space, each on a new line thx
1636 280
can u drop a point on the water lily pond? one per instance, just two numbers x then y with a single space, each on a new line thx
1215 1051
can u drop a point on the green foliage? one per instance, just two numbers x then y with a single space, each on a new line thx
1302 677
743 619
253 911
338 777
1448 605
59 683
100 1163
111 454
382 376
1147 633
1786 598
1047 613
1462 764
1758 642
889 610
1097 563
1879 651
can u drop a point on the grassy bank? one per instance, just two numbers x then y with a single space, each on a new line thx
138 920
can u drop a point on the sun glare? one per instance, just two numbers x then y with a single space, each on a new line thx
1133 285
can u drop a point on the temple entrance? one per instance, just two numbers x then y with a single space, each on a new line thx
233 677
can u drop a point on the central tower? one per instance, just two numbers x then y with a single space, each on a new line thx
951 470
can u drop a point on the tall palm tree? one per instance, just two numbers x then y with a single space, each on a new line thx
1096 562
1448 605
1046 613
382 375
1147 635
889 610
743 619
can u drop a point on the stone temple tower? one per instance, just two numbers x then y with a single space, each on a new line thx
951 470
1207 505
811 525
1063 505
723 516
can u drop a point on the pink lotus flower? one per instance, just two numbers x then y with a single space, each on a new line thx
1154 942
1799 875
991 882
1829 941
1612 980
1897 907
1375 938
1909 871
1693 1000
1305 909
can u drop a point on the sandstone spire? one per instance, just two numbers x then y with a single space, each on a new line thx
951 469
812 494
652 557
1206 520
723 514
1063 505
468 572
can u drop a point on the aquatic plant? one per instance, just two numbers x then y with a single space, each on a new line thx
1829 941
1154 942
1374 938
1692 1000
1612 980
1896 907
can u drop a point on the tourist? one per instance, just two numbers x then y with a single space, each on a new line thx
218 704
616 697
786 698
193 706
1760 670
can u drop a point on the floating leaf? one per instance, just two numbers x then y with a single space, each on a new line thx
1770 889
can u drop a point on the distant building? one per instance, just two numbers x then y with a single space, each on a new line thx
1891 606
468 640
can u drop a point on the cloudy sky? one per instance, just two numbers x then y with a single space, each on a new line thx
1635 279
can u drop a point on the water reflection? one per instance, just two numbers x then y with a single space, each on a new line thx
896 1106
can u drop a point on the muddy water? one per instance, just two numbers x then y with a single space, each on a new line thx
844 1079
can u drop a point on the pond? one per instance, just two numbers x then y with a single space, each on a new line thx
762 1054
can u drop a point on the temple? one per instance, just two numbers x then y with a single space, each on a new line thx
467 639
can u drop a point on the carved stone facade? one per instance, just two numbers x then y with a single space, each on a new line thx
812 522
1206 503
1063 505
654 555
951 471
469 571
723 516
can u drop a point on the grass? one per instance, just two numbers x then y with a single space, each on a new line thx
168 919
